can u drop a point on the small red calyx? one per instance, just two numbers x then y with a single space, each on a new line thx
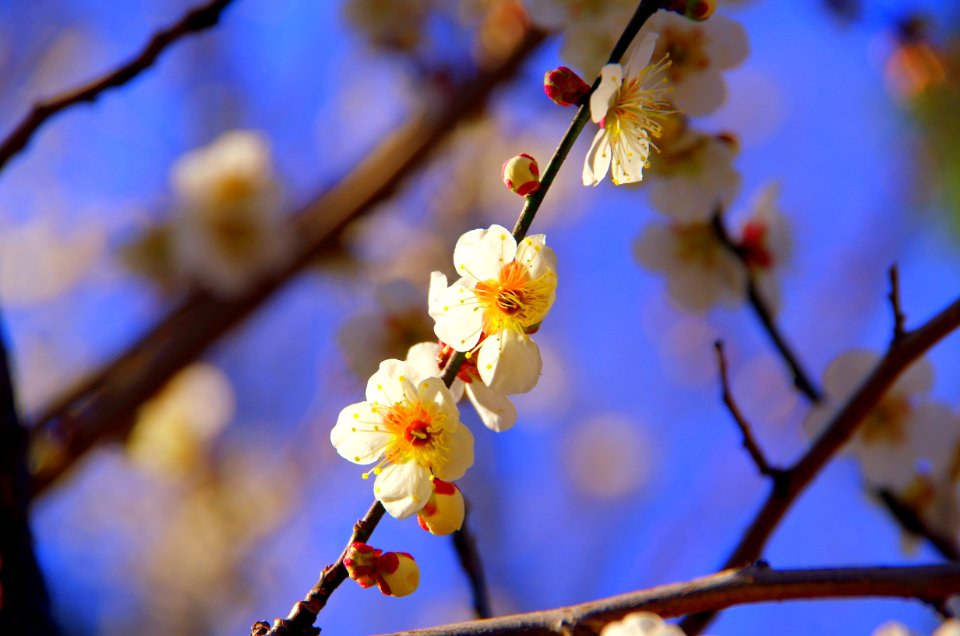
753 246
360 562
697 10
468 370
395 573
564 87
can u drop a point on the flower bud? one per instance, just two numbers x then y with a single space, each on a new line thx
444 511
564 87
361 563
698 10
522 174
397 574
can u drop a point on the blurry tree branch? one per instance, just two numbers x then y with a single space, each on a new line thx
466 548
900 354
24 603
198 19
931 584
102 407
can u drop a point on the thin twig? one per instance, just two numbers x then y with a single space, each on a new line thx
899 319
198 19
466 548
801 379
899 356
931 584
24 605
749 441
103 406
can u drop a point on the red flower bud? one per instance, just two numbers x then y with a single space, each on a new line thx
397 574
564 87
361 564
697 10
522 174
444 512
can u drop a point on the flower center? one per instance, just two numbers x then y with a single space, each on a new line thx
515 301
686 50
418 435
887 423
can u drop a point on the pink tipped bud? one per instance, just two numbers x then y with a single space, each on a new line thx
564 87
361 564
697 10
444 512
522 174
397 574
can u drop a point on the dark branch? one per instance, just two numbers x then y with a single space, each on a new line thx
466 548
199 19
913 523
749 441
931 584
899 319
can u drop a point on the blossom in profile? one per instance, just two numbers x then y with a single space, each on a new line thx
701 271
641 624
445 511
904 433
629 104
410 428
228 230
766 241
698 52
504 293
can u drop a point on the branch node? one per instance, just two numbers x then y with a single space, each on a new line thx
899 319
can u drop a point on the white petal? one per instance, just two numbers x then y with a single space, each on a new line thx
438 285
403 489
509 362
423 357
597 162
353 435
535 256
700 93
459 319
611 77
496 411
726 42
917 379
933 433
640 52
656 248
393 382
480 254
629 157
459 454
434 391
847 372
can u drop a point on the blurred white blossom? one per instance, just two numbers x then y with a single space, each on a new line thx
590 27
641 624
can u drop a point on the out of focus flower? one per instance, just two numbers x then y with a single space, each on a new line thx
698 52
698 10
903 433
693 175
893 628
590 28
641 624
521 174
391 24
397 321
629 105
228 230
409 425
766 241
444 513
701 272
504 293
496 411
174 428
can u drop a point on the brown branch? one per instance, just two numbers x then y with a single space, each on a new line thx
801 379
749 441
466 548
913 523
932 584
198 19
899 319
900 355
301 618
103 406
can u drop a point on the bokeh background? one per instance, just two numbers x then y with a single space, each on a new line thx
624 470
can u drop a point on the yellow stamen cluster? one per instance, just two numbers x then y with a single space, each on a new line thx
514 301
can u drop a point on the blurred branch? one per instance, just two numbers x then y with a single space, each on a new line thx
801 378
301 618
24 603
899 355
198 19
749 441
466 548
913 523
932 584
899 319
103 406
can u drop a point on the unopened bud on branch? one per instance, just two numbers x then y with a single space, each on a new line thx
564 87
697 10
397 574
522 174
444 512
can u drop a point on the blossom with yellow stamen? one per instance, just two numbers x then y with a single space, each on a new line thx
629 105
504 293
409 425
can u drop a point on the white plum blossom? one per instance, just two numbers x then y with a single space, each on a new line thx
701 272
766 241
904 433
698 52
694 173
504 293
641 624
228 230
894 628
629 105
496 411
409 425
590 28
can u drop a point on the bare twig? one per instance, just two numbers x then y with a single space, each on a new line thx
103 406
801 379
301 618
24 605
899 356
931 584
466 548
198 19
899 319
749 441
